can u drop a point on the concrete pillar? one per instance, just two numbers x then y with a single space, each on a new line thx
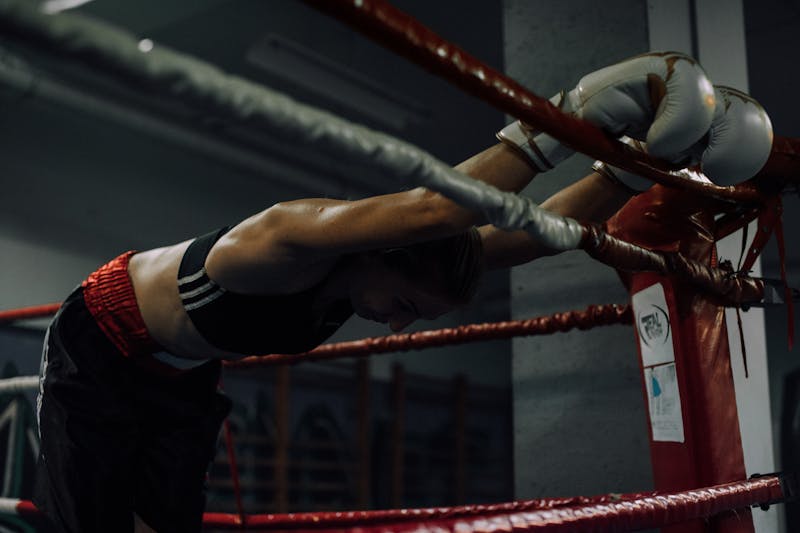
579 414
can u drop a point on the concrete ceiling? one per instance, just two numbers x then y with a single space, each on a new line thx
92 166
134 174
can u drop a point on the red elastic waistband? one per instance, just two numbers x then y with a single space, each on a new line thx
110 298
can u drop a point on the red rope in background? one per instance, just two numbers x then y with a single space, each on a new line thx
25 313
594 315
397 31
232 462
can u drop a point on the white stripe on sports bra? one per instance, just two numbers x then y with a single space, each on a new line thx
207 300
181 363
208 287
191 277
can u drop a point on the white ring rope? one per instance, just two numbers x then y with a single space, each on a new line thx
9 505
19 384
205 86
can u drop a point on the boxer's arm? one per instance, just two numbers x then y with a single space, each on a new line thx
295 234
592 199
501 166
333 227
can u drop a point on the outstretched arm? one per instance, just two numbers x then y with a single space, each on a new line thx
333 227
279 239
275 243
592 199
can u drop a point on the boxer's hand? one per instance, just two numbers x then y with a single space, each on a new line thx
663 98
735 148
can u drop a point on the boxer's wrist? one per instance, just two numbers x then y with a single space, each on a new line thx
662 97
542 151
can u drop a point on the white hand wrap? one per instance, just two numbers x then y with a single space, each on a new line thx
664 99
635 183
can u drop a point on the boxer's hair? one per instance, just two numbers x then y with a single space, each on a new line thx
453 265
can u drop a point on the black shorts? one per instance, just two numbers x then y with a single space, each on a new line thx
118 439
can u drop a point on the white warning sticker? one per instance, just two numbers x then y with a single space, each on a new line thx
658 359
666 418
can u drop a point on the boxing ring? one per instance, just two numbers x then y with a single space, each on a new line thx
640 255
613 512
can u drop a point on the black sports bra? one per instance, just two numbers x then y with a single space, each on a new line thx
251 324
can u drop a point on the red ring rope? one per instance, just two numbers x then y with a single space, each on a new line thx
729 287
595 517
594 315
610 516
576 515
25 313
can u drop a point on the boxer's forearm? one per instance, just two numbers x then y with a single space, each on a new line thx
592 199
499 166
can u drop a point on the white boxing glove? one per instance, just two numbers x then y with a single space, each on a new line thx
737 144
739 141
663 98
